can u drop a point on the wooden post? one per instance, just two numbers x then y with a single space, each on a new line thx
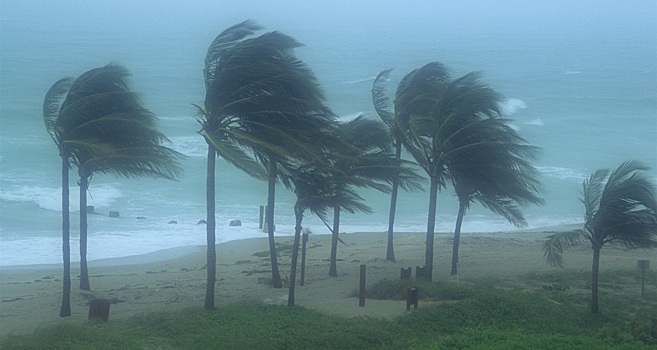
361 290
411 298
262 216
643 265
405 273
303 258
420 272
99 309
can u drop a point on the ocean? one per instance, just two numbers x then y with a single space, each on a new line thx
579 80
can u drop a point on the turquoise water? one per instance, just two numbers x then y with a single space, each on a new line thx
579 83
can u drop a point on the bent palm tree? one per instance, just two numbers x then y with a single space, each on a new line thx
432 111
620 208
387 115
110 132
493 167
51 105
268 101
220 131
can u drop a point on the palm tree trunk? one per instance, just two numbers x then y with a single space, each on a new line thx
333 269
84 273
390 252
65 310
271 196
298 215
431 224
457 237
594 279
210 229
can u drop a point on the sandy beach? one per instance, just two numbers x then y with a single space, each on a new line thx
30 296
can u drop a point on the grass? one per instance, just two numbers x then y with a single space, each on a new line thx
538 311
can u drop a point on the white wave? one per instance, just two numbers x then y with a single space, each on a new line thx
191 146
512 106
514 127
351 116
362 80
572 72
562 173
535 122
50 198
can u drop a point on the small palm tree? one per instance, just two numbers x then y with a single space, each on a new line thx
315 188
498 174
364 161
621 207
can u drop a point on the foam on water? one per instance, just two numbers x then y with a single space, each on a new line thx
50 198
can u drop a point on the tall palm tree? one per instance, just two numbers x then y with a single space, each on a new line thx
499 174
113 134
275 101
438 116
221 132
386 112
420 122
51 106
364 162
621 207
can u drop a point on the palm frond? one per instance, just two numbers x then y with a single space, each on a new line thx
52 104
224 41
555 244
381 101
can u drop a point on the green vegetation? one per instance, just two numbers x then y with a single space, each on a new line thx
486 314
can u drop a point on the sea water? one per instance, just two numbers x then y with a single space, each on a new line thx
582 86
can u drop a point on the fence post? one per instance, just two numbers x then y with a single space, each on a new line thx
405 273
411 298
361 290
420 272
262 216
303 258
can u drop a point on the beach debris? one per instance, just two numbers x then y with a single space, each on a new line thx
173 222
235 223
90 209
114 214
141 218
201 222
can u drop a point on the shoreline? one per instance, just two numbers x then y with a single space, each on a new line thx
180 251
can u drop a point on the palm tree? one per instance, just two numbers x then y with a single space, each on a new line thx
51 106
274 101
498 174
115 135
220 131
364 161
621 207
438 118
315 188
387 115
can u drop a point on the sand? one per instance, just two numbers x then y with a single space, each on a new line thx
30 296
